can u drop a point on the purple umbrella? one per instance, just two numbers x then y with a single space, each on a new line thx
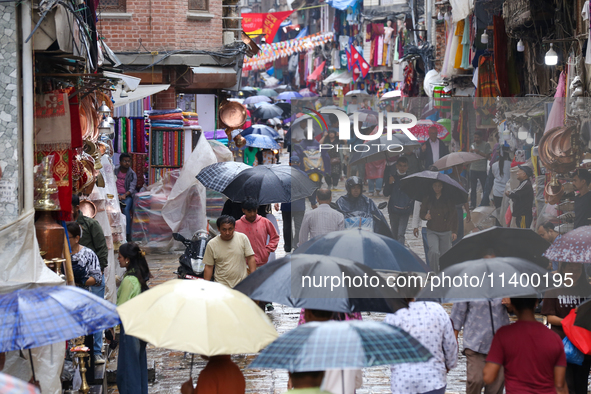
288 96
572 247
307 93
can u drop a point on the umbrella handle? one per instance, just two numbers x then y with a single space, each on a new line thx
32 366
191 372
492 323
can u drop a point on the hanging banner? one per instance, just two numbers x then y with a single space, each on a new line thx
252 23
267 23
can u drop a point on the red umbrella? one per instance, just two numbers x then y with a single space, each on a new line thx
316 74
421 130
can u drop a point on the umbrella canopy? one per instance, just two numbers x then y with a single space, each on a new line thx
572 247
487 279
506 242
318 346
288 95
374 250
260 129
307 93
283 88
267 111
219 175
270 184
267 92
46 315
421 130
391 95
384 149
197 316
256 99
457 158
286 108
357 93
420 185
261 141
316 74
583 318
11 385
281 281
366 116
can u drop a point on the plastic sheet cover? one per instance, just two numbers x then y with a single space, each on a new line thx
177 203
21 267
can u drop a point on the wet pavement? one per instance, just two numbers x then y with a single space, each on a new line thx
173 367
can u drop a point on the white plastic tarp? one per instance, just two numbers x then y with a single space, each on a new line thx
139 93
21 267
344 77
185 209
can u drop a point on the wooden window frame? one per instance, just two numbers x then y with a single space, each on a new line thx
205 9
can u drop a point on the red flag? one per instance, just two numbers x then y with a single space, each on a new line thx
357 58
271 24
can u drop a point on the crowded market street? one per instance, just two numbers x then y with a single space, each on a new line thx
295 196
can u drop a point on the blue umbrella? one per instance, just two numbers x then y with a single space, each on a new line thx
288 96
261 141
46 315
374 250
260 129
339 345
256 99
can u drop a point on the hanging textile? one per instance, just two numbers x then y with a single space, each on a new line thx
586 16
466 44
556 116
447 69
52 121
487 88
500 47
458 47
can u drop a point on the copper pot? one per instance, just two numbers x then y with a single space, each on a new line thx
554 192
232 114
557 151
88 208
50 236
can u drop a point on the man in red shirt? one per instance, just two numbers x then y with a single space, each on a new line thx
260 231
532 355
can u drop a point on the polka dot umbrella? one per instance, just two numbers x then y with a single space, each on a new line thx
572 247
421 130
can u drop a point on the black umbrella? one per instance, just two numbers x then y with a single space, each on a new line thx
286 108
420 185
281 281
583 318
267 111
506 242
383 148
374 250
487 279
270 184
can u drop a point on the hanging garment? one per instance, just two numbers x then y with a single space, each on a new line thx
380 52
448 58
458 47
487 84
396 54
466 44
500 47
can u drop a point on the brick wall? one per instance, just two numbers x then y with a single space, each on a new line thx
162 25
165 99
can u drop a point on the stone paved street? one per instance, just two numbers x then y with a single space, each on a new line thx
172 367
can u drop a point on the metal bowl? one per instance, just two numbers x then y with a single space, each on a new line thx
233 114
88 208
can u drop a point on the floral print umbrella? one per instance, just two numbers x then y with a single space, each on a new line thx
572 247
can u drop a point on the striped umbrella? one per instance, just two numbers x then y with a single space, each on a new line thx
219 175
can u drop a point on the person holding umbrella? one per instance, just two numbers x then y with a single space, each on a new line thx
442 223
220 375
523 197
331 138
132 364
400 204
479 320
429 323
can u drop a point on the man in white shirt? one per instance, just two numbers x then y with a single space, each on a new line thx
322 220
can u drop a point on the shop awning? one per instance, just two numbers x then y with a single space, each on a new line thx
212 77
316 74
131 82
340 76
139 93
